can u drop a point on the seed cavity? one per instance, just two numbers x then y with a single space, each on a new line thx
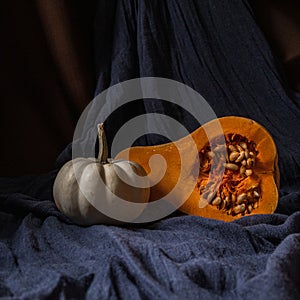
238 193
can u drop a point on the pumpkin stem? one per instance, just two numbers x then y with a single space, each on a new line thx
103 149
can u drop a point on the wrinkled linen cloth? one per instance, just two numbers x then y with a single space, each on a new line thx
216 48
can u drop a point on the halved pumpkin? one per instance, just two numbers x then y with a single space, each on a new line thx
224 170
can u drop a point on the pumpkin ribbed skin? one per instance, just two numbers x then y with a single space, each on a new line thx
71 201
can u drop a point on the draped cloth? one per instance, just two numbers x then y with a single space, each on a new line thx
217 49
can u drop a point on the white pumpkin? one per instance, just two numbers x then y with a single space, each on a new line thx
101 191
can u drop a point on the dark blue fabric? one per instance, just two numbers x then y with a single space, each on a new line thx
216 48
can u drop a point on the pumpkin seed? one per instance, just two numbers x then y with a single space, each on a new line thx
240 149
256 194
255 205
220 148
248 172
233 198
232 148
241 157
249 208
239 208
234 155
244 162
242 170
246 153
216 201
244 145
250 162
210 196
242 197
210 154
232 167
243 207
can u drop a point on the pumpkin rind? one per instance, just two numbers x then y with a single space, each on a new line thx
265 169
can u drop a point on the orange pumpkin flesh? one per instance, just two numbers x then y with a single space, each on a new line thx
239 192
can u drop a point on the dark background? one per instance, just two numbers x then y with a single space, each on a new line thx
48 76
